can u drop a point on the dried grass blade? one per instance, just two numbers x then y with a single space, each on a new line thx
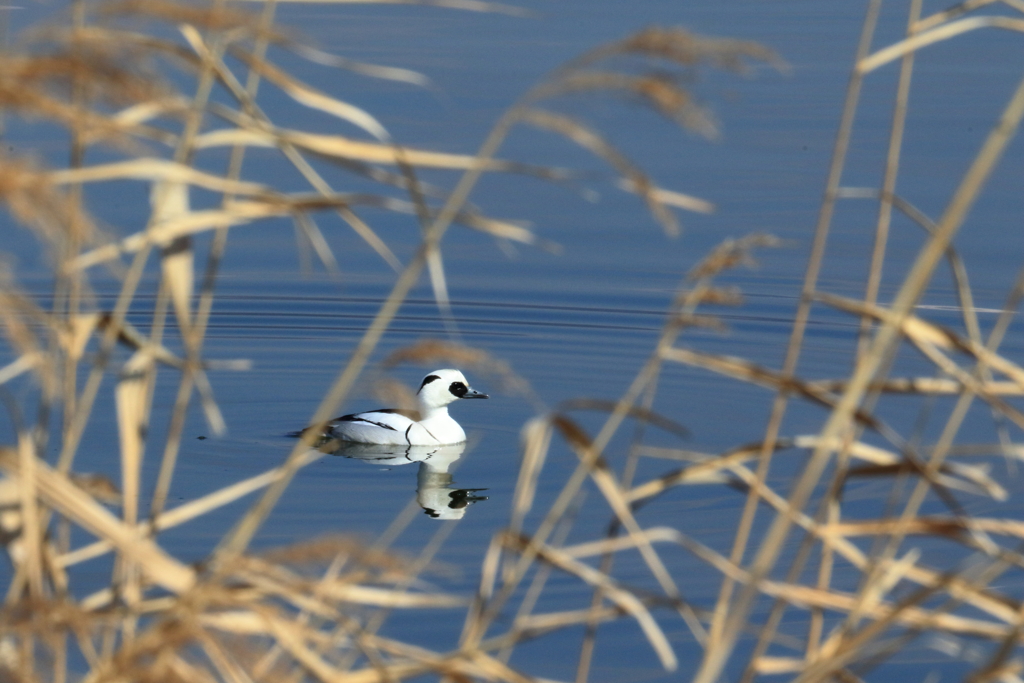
639 413
344 591
731 366
221 658
488 578
746 371
200 506
951 475
26 362
132 399
214 418
29 544
683 48
80 329
288 588
701 472
314 236
593 142
504 230
153 170
462 664
304 94
343 148
168 201
371 238
612 591
959 589
538 624
669 197
925 333
186 512
60 494
21 320
915 617
949 527
388 73
439 284
873 592
774 666
150 109
956 477
536 439
132 338
187 672
245 96
496 670
195 222
935 35
615 497
922 385
658 534
467 5
242 622
235 213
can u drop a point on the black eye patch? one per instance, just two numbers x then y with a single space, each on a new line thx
428 379
458 389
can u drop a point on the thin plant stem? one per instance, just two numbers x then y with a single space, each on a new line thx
724 629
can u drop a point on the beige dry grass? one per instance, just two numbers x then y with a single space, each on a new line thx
313 611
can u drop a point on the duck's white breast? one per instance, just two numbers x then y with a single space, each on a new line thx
436 430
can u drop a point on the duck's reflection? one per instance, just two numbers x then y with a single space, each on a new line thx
435 490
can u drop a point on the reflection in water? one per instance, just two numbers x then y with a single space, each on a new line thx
434 490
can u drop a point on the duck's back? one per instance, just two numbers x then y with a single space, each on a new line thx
385 426
393 426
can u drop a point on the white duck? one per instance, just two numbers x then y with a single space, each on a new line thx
429 426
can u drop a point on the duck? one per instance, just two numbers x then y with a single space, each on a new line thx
431 425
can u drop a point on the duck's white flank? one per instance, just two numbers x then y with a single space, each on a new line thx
430 425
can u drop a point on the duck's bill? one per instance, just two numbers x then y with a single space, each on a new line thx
474 394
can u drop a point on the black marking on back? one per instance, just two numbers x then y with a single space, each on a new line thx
458 389
427 380
407 429
357 418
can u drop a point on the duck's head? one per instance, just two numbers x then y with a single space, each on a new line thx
441 387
